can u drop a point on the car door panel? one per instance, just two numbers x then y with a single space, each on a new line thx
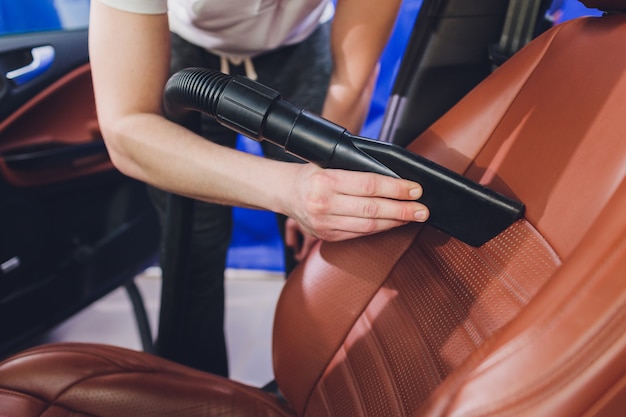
54 136
72 228
70 50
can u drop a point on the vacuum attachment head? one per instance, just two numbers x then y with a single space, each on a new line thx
458 206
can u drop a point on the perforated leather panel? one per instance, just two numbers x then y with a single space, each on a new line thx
441 301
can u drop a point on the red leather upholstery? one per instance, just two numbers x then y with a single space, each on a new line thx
413 322
89 380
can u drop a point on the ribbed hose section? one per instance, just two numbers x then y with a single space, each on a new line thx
197 89
460 207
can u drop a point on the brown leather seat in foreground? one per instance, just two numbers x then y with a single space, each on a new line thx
413 322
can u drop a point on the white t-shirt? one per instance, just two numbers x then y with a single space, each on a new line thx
236 28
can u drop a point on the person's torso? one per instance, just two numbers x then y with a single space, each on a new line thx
246 27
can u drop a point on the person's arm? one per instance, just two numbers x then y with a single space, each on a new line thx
130 59
360 32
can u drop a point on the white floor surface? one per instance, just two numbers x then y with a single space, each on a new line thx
250 301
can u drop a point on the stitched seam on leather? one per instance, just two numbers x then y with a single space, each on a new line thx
379 349
43 402
324 397
350 370
61 348
125 372
433 368
544 386
9 391
419 230
120 370
47 404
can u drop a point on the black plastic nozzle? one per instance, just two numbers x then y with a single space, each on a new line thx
260 113
458 206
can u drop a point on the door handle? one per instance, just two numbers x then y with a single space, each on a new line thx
43 56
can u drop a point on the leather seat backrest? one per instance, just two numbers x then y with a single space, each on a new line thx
413 322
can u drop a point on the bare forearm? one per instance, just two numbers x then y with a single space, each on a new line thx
347 105
330 204
168 156
360 31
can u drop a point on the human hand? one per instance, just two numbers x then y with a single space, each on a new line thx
334 204
298 239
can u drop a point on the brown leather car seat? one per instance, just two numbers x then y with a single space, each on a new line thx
413 322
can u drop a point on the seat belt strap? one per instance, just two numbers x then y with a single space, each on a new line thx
518 30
